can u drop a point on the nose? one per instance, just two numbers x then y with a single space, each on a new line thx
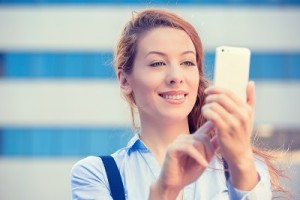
174 75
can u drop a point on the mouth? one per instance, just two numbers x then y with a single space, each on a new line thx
173 95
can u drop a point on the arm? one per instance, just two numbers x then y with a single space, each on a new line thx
233 119
261 190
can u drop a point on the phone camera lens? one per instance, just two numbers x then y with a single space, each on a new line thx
222 50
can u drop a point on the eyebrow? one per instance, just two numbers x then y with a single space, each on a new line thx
163 54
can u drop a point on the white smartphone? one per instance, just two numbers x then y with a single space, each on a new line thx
232 66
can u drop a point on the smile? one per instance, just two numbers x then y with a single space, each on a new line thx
176 96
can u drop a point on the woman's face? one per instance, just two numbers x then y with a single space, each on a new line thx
165 77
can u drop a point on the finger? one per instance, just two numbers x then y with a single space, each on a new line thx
225 102
251 98
224 121
193 152
205 128
226 108
215 143
185 145
219 90
203 144
216 114
201 137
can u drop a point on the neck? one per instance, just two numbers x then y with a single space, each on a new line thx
157 135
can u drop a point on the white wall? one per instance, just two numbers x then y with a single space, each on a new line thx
30 179
63 28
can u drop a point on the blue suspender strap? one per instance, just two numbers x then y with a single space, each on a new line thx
226 172
115 181
114 178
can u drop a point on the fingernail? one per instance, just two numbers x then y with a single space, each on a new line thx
204 107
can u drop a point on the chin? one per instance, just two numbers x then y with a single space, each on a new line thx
173 118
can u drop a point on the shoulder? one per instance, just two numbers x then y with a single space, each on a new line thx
120 156
90 167
88 163
89 180
93 167
124 154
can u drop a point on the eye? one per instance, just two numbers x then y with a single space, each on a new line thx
157 64
188 63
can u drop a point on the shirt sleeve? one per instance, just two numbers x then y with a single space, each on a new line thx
261 191
89 180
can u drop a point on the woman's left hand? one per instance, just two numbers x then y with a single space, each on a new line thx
233 119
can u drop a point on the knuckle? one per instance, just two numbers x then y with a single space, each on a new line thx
243 117
181 137
230 93
196 144
222 97
214 106
219 97
216 118
212 116
234 124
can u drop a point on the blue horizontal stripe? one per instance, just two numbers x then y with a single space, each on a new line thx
266 66
57 65
155 2
62 142
93 65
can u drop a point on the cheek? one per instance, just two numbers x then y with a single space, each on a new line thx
194 85
146 81
143 88
142 84
194 80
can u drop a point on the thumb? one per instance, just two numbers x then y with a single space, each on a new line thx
204 129
215 143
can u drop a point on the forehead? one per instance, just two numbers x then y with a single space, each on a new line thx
165 39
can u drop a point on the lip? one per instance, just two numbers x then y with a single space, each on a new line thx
174 96
173 92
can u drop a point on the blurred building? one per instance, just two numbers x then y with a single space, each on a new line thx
59 98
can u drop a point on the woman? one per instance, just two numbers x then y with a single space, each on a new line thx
186 127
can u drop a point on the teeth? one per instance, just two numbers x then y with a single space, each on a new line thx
175 97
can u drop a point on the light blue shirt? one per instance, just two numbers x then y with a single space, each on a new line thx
139 169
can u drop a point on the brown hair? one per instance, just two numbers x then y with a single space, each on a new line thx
126 50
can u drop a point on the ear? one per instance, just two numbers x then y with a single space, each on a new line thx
124 83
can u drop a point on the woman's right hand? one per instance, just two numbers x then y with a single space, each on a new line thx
186 159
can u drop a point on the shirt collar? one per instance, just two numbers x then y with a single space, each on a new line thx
136 144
